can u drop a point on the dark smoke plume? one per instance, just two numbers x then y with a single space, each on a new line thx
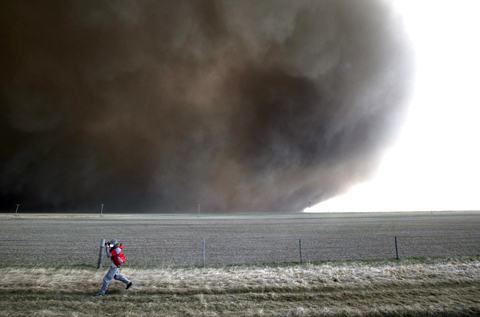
163 105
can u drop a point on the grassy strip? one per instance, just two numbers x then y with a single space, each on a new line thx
370 262
432 287
414 302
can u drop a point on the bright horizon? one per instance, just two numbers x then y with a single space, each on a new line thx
435 163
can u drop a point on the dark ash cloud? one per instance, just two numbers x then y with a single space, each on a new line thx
161 105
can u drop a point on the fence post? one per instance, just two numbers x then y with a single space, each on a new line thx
100 253
203 251
396 249
300 250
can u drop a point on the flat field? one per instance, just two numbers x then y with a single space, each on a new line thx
447 287
176 240
47 265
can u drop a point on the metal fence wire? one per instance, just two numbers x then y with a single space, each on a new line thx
214 252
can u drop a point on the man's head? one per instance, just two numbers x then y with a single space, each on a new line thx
113 243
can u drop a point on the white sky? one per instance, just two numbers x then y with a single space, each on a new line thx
435 165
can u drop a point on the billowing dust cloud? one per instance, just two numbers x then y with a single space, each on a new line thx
164 105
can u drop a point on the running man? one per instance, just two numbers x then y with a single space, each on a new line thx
115 251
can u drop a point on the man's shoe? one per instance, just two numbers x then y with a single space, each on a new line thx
100 294
129 285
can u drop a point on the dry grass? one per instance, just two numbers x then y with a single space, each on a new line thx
410 288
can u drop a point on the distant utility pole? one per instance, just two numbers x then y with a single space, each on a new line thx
16 210
101 209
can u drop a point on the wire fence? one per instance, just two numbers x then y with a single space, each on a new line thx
214 252
220 251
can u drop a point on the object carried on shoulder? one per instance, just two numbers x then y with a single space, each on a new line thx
118 257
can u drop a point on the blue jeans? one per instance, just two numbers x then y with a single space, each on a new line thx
113 273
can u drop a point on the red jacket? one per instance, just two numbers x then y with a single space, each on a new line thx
117 255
